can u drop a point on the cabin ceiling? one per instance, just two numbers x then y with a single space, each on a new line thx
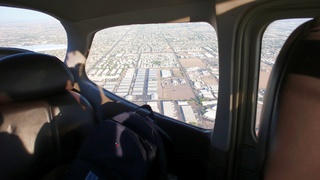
75 10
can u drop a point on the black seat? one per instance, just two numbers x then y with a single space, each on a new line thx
42 121
6 51
288 143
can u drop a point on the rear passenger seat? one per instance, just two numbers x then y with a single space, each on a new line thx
42 121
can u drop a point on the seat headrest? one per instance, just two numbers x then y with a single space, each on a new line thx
29 76
299 55
305 54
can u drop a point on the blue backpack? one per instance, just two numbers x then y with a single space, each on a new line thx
127 146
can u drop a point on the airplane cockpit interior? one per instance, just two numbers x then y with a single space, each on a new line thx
173 89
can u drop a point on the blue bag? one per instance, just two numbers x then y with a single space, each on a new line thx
128 146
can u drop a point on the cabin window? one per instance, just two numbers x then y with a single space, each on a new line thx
172 67
273 39
31 30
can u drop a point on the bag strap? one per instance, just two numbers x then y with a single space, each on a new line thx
148 108
163 137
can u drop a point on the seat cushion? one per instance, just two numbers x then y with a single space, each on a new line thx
37 136
42 121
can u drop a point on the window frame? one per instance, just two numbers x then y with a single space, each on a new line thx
44 19
112 94
247 61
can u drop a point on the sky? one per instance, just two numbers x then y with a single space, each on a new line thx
19 15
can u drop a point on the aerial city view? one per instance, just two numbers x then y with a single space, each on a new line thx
172 67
